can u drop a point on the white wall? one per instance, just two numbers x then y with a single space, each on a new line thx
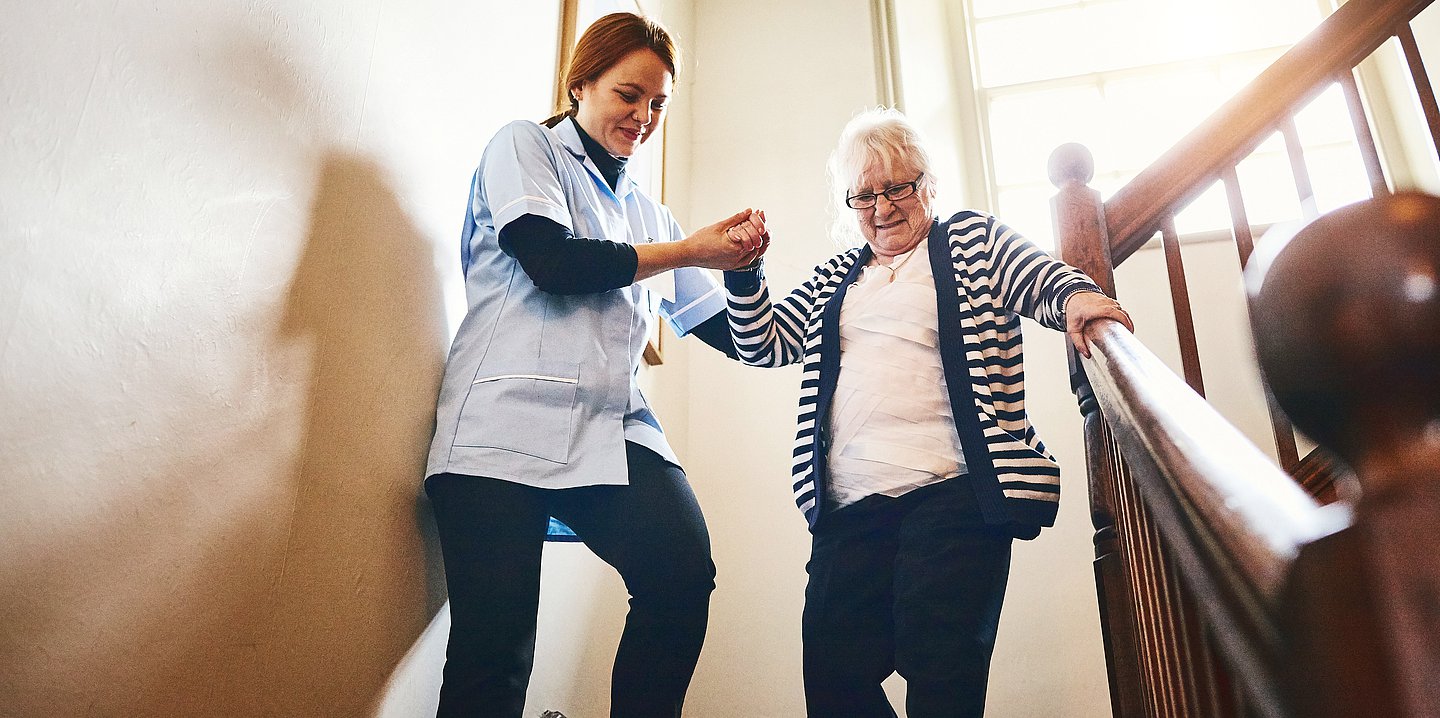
226 232
774 84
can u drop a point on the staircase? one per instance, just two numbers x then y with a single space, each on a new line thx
1230 583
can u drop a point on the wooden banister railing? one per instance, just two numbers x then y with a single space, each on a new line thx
1242 521
1256 515
1225 587
1325 56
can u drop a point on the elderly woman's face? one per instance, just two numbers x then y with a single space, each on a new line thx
893 227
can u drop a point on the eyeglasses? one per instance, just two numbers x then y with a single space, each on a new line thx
866 200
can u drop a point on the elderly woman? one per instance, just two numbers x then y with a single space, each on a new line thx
915 463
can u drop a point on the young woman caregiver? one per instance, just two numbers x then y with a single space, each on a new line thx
539 414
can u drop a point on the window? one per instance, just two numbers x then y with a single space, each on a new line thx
1126 78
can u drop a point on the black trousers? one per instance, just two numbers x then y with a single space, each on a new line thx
912 584
491 535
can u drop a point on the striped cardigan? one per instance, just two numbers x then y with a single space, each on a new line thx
986 277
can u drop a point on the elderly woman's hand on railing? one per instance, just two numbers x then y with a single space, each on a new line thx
1085 307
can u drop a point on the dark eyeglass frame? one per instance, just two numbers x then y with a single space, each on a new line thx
894 193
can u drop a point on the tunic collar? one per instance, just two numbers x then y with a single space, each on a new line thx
570 137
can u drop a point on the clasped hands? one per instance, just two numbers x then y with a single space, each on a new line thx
734 242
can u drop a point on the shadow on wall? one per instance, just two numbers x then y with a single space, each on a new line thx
358 583
216 508
230 575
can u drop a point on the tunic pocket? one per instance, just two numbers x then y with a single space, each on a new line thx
529 411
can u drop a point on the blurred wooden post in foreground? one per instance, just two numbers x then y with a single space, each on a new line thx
1346 313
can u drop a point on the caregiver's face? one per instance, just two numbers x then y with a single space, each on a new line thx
623 107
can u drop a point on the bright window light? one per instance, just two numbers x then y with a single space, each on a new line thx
1129 78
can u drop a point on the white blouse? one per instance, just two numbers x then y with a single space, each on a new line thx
890 418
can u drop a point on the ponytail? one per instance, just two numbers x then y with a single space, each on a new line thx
604 43
554 120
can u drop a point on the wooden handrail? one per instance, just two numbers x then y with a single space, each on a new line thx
1259 517
1233 521
1317 611
1351 33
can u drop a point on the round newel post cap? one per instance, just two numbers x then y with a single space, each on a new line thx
1071 162
1346 314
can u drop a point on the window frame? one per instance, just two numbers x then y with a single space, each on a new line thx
968 114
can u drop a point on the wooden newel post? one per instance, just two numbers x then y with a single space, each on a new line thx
1080 215
1080 233
1346 313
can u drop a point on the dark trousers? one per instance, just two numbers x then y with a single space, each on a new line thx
911 584
651 531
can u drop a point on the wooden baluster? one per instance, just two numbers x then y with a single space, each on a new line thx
1189 672
1180 678
1321 473
1239 219
1303 190
1167 624
1201 673
1364 136
1115 595
1161 678
1187 654
1129 520
1220 699
1421 80
1285 450
1136 536
1132 538
1080 229
1144 571
1180 300
1199 670
1129 670
1156 568
1372 395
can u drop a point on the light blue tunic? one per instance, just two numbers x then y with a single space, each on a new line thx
540 388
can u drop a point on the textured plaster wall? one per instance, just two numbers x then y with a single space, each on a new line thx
226 245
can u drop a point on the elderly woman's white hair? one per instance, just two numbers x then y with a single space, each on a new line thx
881 135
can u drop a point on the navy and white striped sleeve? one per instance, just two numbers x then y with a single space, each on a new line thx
769 334
1031 282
